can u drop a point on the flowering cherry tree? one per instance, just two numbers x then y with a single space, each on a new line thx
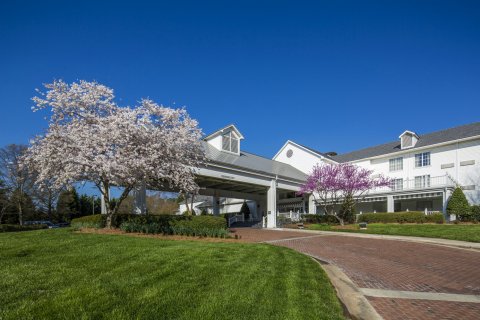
330 183
91 138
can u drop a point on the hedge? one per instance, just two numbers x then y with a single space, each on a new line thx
320 218
17 227
401 217
156 224
475 213
93 221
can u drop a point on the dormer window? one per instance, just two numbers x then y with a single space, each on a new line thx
408 139
230 142
226 139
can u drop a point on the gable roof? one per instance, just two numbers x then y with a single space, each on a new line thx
318 153
230 126
252 162
442 136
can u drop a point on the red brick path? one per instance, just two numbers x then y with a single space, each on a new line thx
393 265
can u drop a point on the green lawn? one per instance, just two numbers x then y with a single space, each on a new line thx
469 233
62 274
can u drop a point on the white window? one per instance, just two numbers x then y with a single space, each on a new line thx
396 184
422 159
230 142
422 181
396 164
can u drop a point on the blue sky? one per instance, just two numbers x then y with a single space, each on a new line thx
334 75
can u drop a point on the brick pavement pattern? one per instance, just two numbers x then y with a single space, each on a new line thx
392 265
401 309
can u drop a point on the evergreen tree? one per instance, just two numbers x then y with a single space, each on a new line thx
68 205
458 204
245 210
88 205
4 200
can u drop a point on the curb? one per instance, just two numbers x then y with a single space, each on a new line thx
354 302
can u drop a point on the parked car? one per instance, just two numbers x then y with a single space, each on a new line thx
49 224
63 224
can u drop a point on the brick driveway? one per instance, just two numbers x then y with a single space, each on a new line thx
393 265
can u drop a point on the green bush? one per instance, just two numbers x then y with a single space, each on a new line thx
475 213
401 217
159 224
93 221
206 226
320 218
17 227
458 205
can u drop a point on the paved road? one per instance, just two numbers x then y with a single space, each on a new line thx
402 280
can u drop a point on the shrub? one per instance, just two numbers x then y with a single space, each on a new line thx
245 210
458 204
475 213
401 217
159 224
17 227
209 222
318 218
93 221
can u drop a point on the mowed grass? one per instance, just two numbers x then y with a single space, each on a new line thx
59 274
463 232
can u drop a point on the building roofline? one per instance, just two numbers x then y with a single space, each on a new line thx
305 148
211 135
421 138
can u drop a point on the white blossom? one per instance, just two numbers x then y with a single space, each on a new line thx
91 138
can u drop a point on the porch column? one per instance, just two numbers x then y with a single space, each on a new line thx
446 196
312 207
272 205
390 206
216 206
140 200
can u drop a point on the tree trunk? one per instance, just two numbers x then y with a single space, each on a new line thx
191 206
108 222
20 213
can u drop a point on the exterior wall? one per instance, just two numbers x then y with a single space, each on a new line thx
229 206
216 142
183 207
458 154
300 159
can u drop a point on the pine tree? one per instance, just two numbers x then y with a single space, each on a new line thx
458 204
68 205
245 210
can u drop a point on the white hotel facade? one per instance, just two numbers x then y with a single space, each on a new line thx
424 168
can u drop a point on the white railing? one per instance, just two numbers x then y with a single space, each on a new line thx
417 184
236 218
430 212
294 216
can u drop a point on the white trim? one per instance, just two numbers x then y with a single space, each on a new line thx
232 127
409 132
304 149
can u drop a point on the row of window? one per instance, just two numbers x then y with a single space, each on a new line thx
421 160
420 182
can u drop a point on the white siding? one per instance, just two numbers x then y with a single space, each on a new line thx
300 159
